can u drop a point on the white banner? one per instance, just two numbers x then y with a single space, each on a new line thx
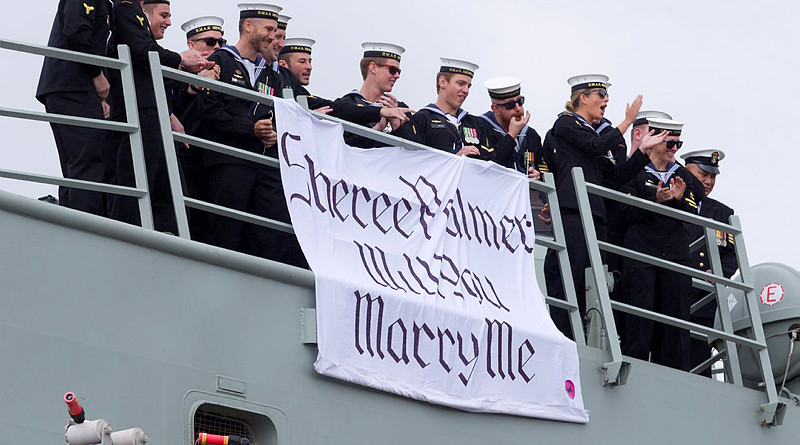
425 276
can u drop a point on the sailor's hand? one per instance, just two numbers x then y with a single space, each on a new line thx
651 139
210 73
388 100
101 86
381 124
663 194
516 124
177 127
468 150
106 109
632 109
396 113
264 131
534 174
678 187
323 110
544 215
194 61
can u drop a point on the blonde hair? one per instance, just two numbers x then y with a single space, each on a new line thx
575 99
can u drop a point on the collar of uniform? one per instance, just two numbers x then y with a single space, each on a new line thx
492 120
358 94
460 114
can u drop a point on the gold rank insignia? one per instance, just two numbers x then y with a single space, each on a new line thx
141 20
88 8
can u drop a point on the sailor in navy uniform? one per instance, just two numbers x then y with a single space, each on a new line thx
516 145
373 105
444 125
649 287
131 27
75 89
581 137
296 58
233 182
204 34
704 165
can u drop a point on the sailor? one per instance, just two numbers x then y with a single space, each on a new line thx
615 224
650 287
235 183
296 57
704 165
373 105
133 28
576 142
75 89
444 125
204 34
516 145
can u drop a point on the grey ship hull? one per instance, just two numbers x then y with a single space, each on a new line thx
148 327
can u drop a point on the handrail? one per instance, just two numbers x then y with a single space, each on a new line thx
717 285
131 127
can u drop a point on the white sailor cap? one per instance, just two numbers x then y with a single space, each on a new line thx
588 81
705 158
202 24
673 127
258 10
504 87
456 66
298 45
283 21
385 50
642 117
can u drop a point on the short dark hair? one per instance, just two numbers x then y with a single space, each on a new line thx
447 77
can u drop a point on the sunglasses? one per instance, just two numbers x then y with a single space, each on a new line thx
511 105
671 144
211 41
600 92
393 70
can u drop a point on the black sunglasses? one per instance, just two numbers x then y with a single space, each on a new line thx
211 41
511 105
393 70
671 144
600 92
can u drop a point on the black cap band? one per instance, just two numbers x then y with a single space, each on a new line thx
199 29
257 14
296 49
383 54
671 132
516 92
593 84
454 70
282 25
152 2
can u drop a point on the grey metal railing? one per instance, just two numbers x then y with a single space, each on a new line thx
131 127
714 282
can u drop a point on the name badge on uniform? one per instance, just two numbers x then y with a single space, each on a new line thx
471 136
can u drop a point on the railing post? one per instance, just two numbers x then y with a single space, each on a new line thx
616 371
137 150
563 261
170 156
733 368
773 411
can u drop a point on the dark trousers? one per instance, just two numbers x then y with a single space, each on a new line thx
257 190
579 261
80 149
194 186
663 291
125 208
700 351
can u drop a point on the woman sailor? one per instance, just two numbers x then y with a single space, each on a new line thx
582 137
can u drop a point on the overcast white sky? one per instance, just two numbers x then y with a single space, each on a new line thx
728 69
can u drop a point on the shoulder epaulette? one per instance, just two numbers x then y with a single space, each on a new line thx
565 113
